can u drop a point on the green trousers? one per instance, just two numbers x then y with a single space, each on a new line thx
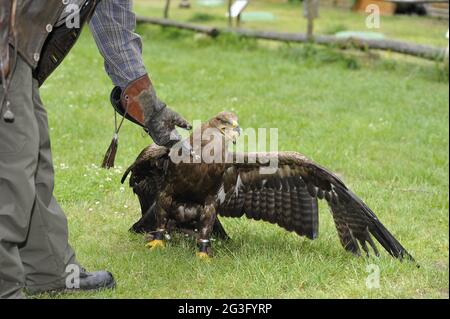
34 249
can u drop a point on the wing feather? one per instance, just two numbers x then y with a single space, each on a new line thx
279 198
147 179
288 197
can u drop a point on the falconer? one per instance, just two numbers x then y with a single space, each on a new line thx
35 36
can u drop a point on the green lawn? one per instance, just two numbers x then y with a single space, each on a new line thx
381 124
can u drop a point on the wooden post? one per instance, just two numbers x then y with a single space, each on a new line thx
166 9
310 17
230 19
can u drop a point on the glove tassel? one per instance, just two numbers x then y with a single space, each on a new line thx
110 156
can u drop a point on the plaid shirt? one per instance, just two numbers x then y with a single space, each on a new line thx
112 26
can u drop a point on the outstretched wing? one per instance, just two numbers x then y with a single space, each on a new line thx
287 195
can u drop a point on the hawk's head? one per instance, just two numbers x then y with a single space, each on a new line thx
227 124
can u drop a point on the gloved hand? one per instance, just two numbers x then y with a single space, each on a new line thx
159 120
143 107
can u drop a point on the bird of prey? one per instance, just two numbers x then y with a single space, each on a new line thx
190 195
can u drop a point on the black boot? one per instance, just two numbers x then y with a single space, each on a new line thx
96 280
81 280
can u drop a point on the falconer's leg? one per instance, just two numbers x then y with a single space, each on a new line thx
46 253
19 146
161 226
34 250
206 224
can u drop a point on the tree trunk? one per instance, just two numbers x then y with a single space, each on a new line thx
230 19
166 9
310 17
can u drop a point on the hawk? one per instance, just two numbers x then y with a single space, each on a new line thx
190 194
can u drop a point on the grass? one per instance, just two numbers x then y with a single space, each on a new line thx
382 124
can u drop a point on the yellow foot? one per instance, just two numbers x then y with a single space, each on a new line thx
157 243
203 256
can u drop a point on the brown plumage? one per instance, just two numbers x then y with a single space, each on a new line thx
190 196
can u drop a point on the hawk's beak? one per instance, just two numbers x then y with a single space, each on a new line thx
237 129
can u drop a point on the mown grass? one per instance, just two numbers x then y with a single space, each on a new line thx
381 124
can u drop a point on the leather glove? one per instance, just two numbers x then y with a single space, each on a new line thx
141 105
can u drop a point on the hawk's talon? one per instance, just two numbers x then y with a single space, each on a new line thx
156 243
203 256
